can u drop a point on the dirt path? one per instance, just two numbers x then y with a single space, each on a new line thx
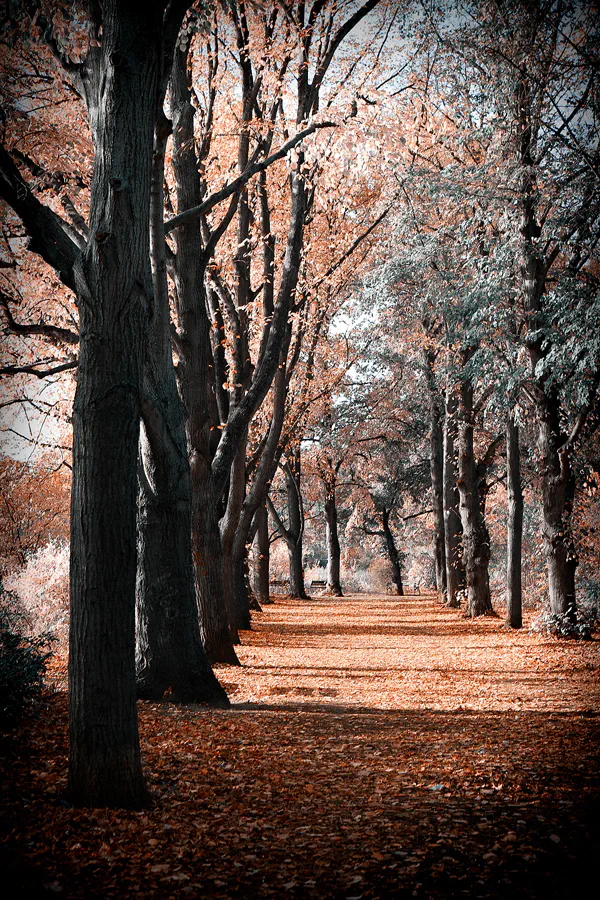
376 747
392 653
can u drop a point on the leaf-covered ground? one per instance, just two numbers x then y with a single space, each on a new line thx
376 747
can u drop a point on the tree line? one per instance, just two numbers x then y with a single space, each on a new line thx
194 195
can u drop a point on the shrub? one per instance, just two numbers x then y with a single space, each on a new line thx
580 624
22 665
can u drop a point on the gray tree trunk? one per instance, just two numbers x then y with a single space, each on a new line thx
475 536
195 354
436 438
115 294
169 651
333 543
558 493
262 552
514 602
557 477
393 555
452 521
295 525
236 597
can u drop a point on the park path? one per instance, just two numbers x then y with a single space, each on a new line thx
383 652
376 747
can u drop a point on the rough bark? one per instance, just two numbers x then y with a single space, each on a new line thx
262 551
558 493
514 604
195 359
475 536
169 651
115 292
333 543
392 551
452 521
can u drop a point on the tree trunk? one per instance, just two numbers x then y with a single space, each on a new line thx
557 477
115 295
558 492
333 544
169 650
452 522
393 555
295 525
262 552
476 540
514 611
297 587
437 497
195 359
236 597
170 654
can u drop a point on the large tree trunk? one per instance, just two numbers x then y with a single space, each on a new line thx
476 540
514 603
170 655
393 555
193 371
436 439
333 544
262 550
115 295
558 492
452 522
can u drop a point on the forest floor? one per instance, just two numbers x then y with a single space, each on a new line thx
376 747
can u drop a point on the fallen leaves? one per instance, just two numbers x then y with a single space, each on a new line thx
385 787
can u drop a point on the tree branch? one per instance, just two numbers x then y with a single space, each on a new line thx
54 332
47 231
238 183
39 373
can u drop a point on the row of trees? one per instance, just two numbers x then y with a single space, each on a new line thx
196 305
192 210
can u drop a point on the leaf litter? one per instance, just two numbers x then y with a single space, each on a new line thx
375 747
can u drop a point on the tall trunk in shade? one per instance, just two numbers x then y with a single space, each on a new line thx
233 554
262 552
514 603
169 650
452 522
333 543
436 443
556 471
255 499
558 494
393 554
193 373
436 468
295 524
115 294
476 539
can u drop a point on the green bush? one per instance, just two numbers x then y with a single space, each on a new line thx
580 623
22 666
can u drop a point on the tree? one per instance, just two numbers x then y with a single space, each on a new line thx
112 280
